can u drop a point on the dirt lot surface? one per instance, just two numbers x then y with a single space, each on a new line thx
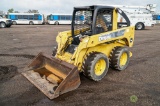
140 81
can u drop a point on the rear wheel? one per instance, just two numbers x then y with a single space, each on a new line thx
2 25
31 23
139 26
95 66
119 58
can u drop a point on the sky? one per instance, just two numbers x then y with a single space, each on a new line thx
66 6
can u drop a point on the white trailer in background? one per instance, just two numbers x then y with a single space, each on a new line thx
139 16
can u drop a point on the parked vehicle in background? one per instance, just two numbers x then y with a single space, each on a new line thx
139 16
57 19
26 18
140 21
5 22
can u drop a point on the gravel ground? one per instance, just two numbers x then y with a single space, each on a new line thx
140 81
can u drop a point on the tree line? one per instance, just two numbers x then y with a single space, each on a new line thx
29 11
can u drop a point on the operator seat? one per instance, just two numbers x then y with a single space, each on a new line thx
100 24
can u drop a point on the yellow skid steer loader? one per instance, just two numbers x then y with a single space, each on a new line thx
95 42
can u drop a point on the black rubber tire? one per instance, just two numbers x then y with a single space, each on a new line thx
31 23
8 26
14 23
56 23
2 25
89 65
114 58
139 26
54 50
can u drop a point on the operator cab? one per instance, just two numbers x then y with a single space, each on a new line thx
92 20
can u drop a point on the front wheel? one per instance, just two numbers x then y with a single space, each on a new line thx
2 25
119 58
139 26
95 66
31 23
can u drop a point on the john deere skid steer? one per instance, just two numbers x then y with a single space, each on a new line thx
95 42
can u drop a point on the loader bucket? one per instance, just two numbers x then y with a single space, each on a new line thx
52 76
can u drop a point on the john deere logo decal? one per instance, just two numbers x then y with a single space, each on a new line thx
112 35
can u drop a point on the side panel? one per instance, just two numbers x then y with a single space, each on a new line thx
51 22
64 22
127 32
144 18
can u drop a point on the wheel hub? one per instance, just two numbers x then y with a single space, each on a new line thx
139 26
123 59
100 67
